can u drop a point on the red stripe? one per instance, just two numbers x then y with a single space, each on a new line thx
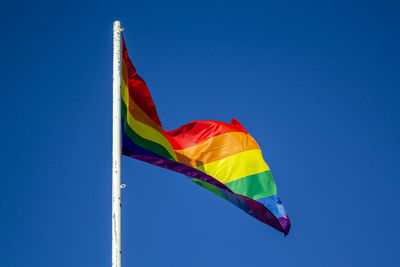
138 90
196 132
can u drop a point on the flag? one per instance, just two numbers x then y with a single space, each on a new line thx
221 157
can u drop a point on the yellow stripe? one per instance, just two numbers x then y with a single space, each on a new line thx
142 129
124 93
237 166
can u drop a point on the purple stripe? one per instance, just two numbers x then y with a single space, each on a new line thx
255 208
181 168
285 223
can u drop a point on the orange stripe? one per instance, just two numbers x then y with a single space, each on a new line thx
216 148
124 71
139 115
138 88
133 108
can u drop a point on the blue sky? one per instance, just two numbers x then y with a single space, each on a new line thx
316 84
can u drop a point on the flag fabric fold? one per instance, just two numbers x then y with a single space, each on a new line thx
221 157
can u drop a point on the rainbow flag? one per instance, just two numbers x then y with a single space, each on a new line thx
221 157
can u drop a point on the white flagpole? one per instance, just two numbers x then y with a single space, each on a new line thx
116 148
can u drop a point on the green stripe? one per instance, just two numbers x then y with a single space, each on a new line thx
254 186
209 187
140 141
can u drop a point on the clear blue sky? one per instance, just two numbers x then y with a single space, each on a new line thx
316 84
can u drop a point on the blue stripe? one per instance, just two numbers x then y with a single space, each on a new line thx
273 204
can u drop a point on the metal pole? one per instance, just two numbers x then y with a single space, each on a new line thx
116 148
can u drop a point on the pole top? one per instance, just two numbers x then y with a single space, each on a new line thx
117 25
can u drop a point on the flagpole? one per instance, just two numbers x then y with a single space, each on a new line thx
116 148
